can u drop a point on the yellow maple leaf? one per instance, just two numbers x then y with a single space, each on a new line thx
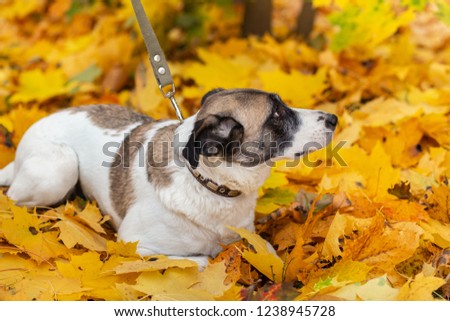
18 120
122 248
437 232
438 201
23 230
217 71
342 273
155 263
92 217
377 289
276 179
20 9
39 85
383 247
376 168
260 256
23 279
348 182
418 182
97 278
184 284
296 88
437 126
73 233
404 210
341 225
420 288
212 279
232 294
399 141
127 292
350 129
432 163
374 112
7 155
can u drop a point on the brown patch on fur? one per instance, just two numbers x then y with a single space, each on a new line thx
122 193
112 116
160 154
249 107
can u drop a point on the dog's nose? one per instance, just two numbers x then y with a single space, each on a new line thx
331 121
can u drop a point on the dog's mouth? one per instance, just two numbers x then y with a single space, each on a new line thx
310 149
303 153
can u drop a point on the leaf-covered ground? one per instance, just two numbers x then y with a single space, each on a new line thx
364 220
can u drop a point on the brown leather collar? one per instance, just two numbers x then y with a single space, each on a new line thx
209 184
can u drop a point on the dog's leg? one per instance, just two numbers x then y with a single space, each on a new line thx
7 175
45 177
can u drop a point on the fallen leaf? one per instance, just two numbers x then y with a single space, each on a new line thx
23 230
39 86
438 203
93 218
377 289
96 280
420 288
382 247
184 285
437 232
286 85
154 263
73 233
260 256
22 279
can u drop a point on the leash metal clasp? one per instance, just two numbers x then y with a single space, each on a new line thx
170 94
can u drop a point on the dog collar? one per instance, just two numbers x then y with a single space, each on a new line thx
209 184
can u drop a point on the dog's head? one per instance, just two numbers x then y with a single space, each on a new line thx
251 127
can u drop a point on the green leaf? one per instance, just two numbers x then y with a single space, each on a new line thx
89 74
365 27
418 5
77 7
273 198
444 12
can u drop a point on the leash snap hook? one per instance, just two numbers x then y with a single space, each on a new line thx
170 94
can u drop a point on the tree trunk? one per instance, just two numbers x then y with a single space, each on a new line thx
257 17
305 19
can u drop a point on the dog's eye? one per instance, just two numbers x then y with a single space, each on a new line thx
276 115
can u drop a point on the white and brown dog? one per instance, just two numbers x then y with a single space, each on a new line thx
173 187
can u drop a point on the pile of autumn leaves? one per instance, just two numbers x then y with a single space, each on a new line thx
368 218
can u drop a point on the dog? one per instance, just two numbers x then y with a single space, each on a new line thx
173 187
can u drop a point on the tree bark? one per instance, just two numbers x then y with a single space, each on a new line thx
305 20
257 17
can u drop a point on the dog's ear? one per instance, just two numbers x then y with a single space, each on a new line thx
210 93
213 136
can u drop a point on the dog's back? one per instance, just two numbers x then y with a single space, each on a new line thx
62 149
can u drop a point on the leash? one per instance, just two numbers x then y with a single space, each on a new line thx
157 58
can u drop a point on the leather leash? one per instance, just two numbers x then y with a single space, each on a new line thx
157 58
